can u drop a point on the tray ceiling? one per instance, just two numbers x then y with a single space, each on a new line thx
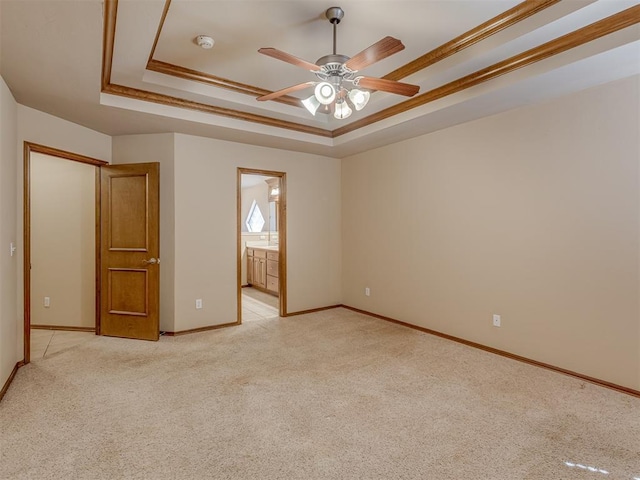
131 66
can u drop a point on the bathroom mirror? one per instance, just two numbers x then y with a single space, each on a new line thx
273 185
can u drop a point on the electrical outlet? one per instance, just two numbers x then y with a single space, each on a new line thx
198 303
367 291
47 302
496 320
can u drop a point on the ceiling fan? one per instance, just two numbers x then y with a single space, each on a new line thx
338 77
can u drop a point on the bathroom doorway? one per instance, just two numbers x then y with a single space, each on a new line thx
261 231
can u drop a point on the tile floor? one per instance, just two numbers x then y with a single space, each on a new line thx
45 343
256 306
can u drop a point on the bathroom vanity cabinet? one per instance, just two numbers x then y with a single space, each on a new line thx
262 268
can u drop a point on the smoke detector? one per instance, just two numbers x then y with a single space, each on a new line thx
204 41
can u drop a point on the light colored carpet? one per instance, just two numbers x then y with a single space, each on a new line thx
329 395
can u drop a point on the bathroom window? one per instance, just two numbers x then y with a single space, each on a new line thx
255 220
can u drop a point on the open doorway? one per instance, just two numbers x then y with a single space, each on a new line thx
261 219
60 249
88 224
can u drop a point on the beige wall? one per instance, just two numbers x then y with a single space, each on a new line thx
157 148
9 352
198 181
44 129
532 214
206 251
63 242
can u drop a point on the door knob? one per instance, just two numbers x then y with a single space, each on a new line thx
151 261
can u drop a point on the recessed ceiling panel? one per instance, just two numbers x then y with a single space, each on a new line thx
240 28
465 68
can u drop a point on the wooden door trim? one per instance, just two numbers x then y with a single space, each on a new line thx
28 148
282 236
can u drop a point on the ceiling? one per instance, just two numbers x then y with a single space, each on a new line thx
132 66
251 180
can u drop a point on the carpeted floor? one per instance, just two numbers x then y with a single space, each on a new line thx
330 395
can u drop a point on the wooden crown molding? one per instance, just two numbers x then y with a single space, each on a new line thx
110 15
165 12
202 77
171 101
475 35
214 81
598 29
518 13
490 27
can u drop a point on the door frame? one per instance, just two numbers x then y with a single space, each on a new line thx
282 236
29 148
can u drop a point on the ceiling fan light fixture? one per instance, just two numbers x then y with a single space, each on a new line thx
338 75
325 93
359 98
342 110
312 104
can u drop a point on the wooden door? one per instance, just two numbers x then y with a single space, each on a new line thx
130 270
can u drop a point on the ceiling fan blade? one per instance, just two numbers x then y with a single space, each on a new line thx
285 91
390 86
376 52
286 57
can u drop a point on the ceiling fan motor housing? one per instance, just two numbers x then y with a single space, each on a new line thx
334 14
333 70
329 62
